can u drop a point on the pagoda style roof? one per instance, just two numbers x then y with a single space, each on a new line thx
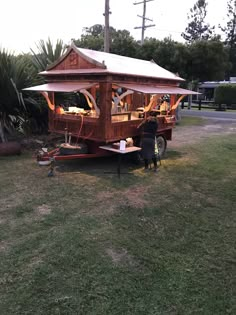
86 61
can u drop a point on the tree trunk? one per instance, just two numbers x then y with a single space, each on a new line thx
2 135
10 148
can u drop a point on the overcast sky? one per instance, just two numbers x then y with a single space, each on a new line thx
24 22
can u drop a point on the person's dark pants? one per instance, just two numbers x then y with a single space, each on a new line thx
154 160
148 151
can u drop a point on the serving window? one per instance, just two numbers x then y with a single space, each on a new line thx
76 103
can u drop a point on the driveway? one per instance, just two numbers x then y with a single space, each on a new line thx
213 126
209 114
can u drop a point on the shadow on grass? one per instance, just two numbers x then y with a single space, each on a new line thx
173 155
104 165
96 166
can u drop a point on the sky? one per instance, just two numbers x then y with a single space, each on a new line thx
24 22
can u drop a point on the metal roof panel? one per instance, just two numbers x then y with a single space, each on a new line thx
149 89
131 66
113 64
60 87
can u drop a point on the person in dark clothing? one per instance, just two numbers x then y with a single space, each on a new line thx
149 128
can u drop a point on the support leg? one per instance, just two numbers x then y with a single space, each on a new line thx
154 159
51 169
119 165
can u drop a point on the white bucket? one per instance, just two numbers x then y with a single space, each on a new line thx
44 163
122 145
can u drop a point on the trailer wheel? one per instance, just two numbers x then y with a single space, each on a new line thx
161 144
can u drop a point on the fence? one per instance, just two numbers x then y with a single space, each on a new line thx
200 104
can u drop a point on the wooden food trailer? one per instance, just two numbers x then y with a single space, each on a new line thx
110 95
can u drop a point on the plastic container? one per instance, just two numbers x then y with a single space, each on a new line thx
122 145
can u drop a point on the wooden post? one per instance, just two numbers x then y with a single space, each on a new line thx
143 22
190 97
199 104
173 99
144 18
105 109
106 31
93 91
51 114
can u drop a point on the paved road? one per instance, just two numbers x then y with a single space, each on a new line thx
209 114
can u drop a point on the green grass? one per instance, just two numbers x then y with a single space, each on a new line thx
191 121
85 242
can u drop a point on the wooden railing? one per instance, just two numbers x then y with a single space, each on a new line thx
79 126
87 127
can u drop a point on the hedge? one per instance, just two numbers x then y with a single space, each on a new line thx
225 94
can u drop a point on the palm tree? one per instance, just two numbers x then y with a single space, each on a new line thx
10 104
24 111
41 59
14 76
47 54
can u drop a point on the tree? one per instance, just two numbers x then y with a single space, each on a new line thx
121 42
36 119
13 106
172 56
148 50
225 94
197 29
209 60
47 54
230 29
230 35
92 39
167 53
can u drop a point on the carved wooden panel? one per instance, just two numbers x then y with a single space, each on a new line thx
74 61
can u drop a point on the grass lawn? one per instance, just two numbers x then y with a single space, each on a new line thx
85 242
191 121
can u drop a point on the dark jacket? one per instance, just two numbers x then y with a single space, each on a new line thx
149 128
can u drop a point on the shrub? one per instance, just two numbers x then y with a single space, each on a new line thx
225 94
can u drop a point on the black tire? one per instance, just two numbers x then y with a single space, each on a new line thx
161 144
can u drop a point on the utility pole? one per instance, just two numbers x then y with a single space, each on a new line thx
106 31
144 18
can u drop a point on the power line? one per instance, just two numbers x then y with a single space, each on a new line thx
167 30
144 19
